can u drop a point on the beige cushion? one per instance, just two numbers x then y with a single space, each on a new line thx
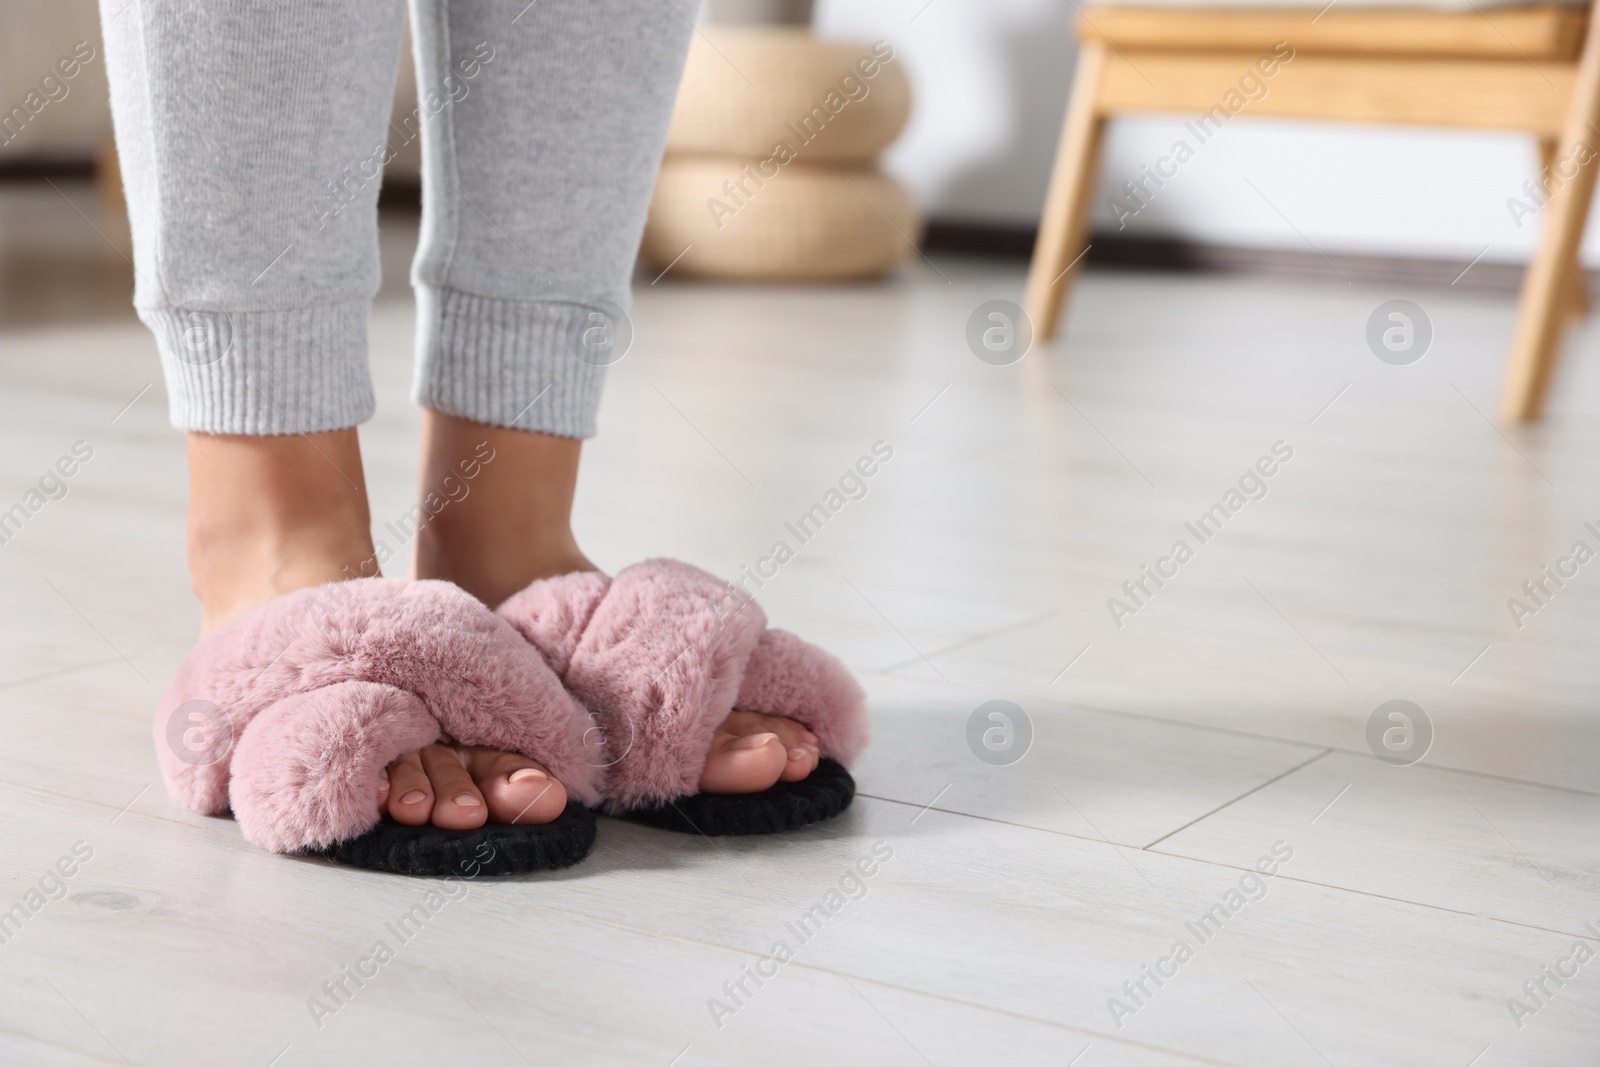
806 223
799 86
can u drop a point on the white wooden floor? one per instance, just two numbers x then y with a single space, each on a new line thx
1226 717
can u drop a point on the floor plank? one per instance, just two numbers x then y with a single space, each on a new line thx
1508 850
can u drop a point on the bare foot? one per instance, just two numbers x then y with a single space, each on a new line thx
269 515
751 751
513 526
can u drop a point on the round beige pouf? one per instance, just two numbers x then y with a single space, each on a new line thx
710 218
747 90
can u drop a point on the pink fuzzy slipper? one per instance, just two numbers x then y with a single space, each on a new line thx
660 655
289 714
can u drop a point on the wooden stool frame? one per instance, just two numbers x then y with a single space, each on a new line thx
1535 69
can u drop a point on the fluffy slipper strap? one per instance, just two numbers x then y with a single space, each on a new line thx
661 654
797 680
656 654
290 712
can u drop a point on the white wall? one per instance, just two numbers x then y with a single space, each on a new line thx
990 81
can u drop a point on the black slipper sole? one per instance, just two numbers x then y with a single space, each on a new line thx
427 851
822 794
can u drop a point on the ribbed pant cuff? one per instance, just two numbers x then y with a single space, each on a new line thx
265 372
529 364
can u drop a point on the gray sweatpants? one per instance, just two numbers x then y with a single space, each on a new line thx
252 134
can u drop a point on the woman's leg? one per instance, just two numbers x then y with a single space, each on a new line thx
538 176
250 137
233 123
242 130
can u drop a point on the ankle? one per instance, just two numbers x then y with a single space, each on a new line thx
270 515
504 507
491 561
234 566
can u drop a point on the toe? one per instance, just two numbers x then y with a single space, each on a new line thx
517 789
800 747
801 761
745 763
458 805
800 744
410 797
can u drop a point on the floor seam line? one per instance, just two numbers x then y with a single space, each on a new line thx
1253 736
1234 867
816 968
976 639
1235 800
1280 876
1146 716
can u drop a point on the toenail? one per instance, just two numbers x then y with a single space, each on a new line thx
797 754
413 796
752 741
526 774
467 800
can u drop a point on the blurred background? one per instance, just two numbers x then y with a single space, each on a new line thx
988 85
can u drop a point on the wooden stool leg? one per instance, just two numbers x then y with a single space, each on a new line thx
1539 318
1066 207
1576 284
108 178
